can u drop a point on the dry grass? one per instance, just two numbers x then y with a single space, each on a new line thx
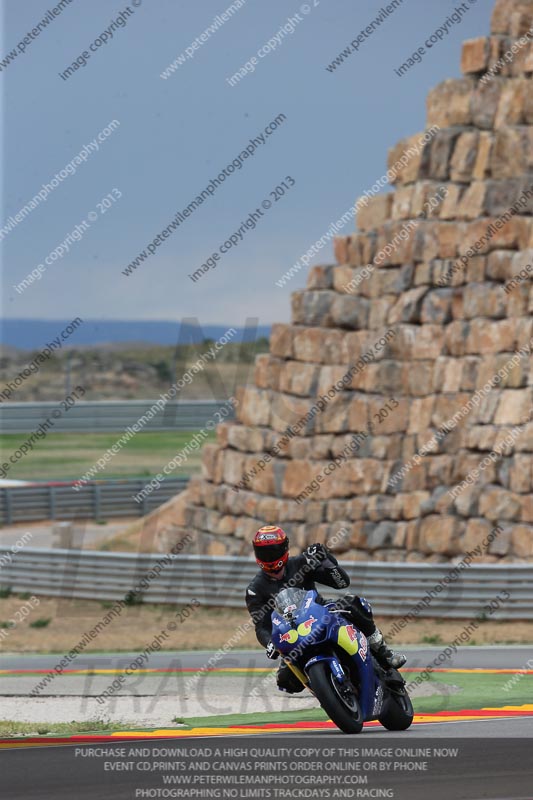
206 629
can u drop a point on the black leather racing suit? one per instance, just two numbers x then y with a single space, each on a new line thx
300 574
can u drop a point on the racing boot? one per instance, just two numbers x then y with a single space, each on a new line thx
287 681
386 657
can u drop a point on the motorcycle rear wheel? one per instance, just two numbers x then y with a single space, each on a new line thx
398 712
346 715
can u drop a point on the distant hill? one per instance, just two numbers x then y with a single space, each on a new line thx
33 334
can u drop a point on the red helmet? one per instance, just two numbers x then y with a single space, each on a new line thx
271 548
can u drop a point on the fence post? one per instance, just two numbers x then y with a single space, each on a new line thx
9 506
97 495
63 534
52 501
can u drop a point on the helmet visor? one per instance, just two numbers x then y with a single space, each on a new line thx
271 552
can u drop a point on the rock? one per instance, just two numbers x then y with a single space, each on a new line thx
436 306
340 245
475 55
288 409
521 22
490 337
440 535
466 503
483 159
521 474
375 213
501 540
298 475
424 245
267 371
233 466
428 442
320 278
522 541
401 203
502 14
527 508
420 414
480 300
281 340
512 103
464 156
407 159
381 536
255 407
441 150
449 103
499 265
407 307
510 153
472 203
411 504
514 407
498 504
350 312
308 344
448 238
477 531
313 308
484 104
298 378
210 454
509 373
427 342
388 417
245 438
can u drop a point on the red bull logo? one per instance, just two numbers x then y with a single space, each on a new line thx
290 636
304 628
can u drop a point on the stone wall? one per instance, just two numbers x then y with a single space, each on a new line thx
413 333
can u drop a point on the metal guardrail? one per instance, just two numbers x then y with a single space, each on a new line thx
112 416
394 588
95 500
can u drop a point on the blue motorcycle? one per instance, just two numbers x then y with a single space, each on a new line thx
332 658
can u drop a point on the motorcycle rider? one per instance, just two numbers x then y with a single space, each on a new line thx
316 563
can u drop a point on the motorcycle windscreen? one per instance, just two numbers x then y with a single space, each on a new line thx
290 600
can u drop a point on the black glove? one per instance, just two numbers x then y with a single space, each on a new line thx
271 651
315 554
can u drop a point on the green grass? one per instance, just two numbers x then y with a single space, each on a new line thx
67 456
433 639
477 691
262 718
10 728
42 622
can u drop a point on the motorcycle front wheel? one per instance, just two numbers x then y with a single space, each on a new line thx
341 706
398 713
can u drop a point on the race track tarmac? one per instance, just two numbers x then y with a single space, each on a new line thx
489 769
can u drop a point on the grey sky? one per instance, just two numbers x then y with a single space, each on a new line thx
177 134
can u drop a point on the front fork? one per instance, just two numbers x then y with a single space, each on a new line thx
300 674
334 663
